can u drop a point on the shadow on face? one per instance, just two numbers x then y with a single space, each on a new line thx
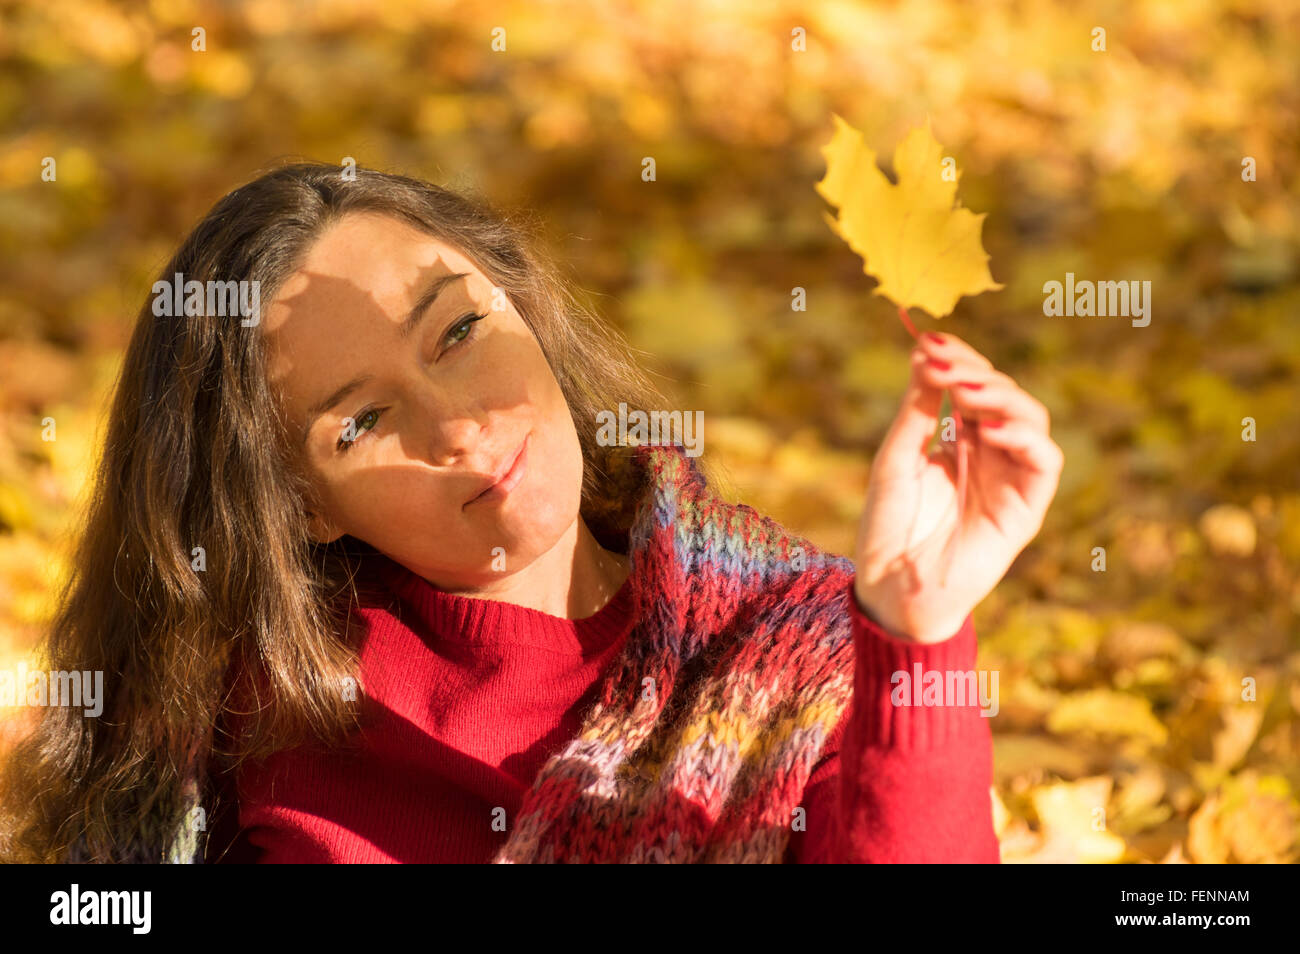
409 384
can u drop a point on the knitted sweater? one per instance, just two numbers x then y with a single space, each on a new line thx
702 733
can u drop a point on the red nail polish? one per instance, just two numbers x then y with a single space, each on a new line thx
937 339
941 365
969 386
990 423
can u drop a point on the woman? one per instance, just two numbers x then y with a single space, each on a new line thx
380 588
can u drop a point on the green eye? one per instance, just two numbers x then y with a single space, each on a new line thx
359 425
468 324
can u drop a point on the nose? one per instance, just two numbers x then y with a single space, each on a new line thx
451 428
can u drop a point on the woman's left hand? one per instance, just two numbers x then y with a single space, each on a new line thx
911 513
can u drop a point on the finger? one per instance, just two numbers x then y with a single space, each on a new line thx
1000 400
946 374
917 417
1041 456
952 349
947 371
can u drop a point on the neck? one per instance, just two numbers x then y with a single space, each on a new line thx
573 579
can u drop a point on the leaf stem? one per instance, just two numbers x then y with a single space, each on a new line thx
907 323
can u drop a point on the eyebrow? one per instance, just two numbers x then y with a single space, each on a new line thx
412 321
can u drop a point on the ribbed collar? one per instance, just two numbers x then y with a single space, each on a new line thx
485 622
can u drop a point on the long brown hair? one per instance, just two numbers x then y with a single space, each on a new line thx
196 453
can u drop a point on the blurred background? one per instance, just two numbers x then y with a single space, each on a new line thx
1120 690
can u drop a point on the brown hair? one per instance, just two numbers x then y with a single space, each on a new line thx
196 453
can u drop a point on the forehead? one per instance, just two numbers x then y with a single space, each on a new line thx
365 270
363 255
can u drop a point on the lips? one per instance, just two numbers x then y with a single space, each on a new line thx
508 474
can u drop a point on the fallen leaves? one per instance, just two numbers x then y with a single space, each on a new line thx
1229 529
1080 180
1072 826
1107 712
1253 819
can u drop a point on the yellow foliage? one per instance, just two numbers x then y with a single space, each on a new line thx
1106 712
925 253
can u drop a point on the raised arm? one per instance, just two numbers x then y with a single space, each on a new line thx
902 783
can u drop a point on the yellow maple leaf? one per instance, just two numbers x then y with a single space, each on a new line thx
924 250
1073 818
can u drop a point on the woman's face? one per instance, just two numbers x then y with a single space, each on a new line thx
404 414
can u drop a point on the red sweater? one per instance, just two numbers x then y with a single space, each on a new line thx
465 699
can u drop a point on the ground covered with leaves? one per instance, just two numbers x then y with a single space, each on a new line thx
1149 711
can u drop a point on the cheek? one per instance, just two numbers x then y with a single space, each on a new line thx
514 377
387 498
511 363
533 399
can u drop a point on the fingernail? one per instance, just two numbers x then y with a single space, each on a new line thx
969 386
941 365
990 423
937 339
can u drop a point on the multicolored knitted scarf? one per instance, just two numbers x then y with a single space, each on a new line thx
707 726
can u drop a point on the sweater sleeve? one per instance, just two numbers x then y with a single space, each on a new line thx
901 783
